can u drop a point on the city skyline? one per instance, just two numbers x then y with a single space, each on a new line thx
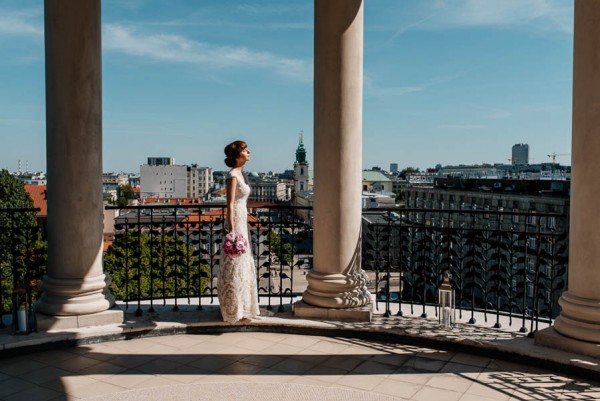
449 82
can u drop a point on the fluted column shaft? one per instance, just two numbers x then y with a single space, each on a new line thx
75 284
580 315
337 280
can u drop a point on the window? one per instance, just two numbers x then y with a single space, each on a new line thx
530 290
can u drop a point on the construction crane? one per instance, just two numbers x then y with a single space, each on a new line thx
553 155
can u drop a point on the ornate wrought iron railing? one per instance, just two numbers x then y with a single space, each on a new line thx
511 264
22 259
172 252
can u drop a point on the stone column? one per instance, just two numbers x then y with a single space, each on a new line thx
75 284
578 325
337 281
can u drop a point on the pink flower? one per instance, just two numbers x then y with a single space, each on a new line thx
235 245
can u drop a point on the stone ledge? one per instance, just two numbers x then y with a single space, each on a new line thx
549 337
361 314
47 323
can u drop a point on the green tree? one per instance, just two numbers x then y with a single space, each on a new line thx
124 194
281 250
164 265
408 170
22 248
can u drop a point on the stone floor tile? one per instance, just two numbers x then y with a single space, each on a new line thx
46 374
255 344
51 357
240 369
97 388
13 386
213 363
343 362
311 381
424 364
271 376
473 397
285 349
414 378
436 354
186 374
374 368
19 367
126 379
35 393
399 389
226 378
294 366
157 366
77 363
329 346
435 394
67 384
326 373
153 381
265 361
450 382
460 368
470 359
102 370
132 361
363 382
499 392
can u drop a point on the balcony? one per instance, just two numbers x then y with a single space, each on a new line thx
165 329
171 308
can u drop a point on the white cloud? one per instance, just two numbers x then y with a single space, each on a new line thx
21 23
538 15
179 49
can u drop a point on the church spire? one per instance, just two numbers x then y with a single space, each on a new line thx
301 152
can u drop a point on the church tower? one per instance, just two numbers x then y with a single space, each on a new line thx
301 176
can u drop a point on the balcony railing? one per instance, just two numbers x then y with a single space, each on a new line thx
22 259
172 252
511 264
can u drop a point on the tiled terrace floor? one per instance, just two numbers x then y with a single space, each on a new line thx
191 355
274 366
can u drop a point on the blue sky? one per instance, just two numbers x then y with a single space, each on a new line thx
445 81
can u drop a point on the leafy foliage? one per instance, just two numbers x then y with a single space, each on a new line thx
22 247
145 265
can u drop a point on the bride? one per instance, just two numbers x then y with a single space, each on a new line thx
237 293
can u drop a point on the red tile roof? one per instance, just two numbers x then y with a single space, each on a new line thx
38 195
180 201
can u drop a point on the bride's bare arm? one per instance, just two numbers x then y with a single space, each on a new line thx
231 184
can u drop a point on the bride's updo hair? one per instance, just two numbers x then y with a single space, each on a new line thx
233 151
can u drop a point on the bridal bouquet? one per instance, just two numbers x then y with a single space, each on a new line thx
235 244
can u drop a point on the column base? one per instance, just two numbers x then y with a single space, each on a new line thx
551 338
579 318
337 291
60 323
75 297
359 314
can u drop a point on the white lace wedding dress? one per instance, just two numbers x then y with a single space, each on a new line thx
238 298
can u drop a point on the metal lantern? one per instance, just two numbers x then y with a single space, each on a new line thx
21 307
446 299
